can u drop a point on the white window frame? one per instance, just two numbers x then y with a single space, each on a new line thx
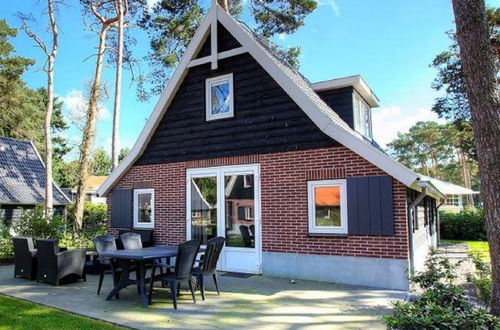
138 224
362 117
208 96
313 229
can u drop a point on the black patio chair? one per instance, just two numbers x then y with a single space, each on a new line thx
54 265
252 230
105 243
184 262
25 257
208 265
245 234
131 241
147 237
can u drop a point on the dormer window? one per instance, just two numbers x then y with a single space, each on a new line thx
219 97
362 117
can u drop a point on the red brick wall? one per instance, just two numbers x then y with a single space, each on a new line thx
284 179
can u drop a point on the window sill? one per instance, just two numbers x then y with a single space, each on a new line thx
144 227
327 235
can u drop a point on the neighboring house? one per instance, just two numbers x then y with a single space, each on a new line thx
22 180
454 195
91 185
239 140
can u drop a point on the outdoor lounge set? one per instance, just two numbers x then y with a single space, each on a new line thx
133 252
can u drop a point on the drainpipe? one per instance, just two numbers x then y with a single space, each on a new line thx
438 229
411 217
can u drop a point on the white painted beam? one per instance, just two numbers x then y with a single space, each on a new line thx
221 55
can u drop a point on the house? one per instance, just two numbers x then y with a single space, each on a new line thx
91 185
455 195
241 145
22 180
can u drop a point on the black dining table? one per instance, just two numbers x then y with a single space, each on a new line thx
138 257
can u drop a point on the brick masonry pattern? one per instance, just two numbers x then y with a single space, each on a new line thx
284 179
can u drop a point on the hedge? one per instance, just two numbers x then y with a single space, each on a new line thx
467 225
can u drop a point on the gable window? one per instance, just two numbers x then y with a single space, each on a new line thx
219 97
362 117
327 206
144 213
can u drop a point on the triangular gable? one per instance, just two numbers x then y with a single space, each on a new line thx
291 82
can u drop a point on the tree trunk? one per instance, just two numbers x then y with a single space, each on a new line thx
481 85
49 196
89 132
224 5
118 85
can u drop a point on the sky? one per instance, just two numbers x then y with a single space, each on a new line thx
390 43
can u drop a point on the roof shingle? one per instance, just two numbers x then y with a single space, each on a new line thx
22 175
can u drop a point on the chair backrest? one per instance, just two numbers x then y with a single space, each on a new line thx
22 247
252 230
186 256
212 253
247 238
147 235
131 241
104 243
46 249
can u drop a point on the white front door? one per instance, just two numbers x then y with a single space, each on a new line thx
225 201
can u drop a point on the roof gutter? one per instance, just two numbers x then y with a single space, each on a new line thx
420 185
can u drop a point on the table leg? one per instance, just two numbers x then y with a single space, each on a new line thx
123 282
142 283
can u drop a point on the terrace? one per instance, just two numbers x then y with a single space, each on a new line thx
255 302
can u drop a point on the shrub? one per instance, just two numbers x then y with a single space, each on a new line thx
442 305
33 223
94 224
6 247
481 278
467 225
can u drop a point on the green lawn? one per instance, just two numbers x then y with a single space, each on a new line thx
480 247
20 314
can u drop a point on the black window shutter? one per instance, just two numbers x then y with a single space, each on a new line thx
121 208
369 205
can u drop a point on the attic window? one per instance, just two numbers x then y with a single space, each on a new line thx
219 97
362 117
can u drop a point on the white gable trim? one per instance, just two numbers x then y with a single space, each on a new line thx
323 121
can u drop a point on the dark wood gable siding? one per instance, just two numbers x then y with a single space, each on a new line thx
340 100
265 119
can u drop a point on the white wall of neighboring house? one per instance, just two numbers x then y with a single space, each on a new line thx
94 199
423 241
453 203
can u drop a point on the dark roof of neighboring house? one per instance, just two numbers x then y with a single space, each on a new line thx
22 175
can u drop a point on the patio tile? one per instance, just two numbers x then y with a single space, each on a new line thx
257 302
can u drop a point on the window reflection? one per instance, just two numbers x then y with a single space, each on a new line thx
327 204
240 210
204 208
144 208
220 97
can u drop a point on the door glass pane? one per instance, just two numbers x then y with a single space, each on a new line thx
327 204
204 208
240 210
